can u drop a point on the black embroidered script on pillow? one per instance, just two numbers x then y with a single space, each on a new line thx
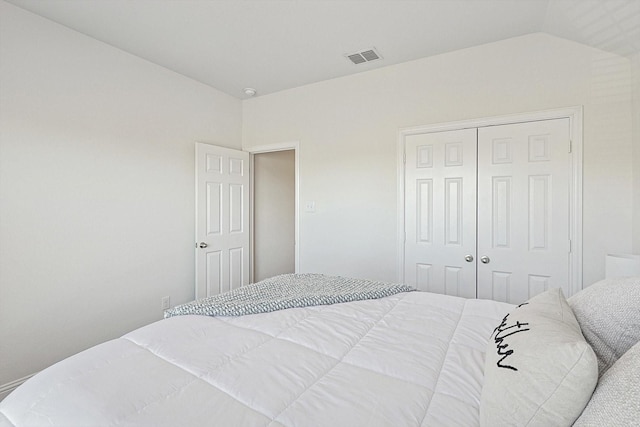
501 333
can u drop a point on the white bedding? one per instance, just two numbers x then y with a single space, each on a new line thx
412 359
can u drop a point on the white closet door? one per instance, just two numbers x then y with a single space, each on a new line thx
523 209
440 185
222 219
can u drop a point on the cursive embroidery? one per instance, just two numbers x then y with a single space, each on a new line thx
502 332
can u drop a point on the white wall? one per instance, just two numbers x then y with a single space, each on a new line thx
274 213
348 133
97 189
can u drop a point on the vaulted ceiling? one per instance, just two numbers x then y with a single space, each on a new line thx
273 45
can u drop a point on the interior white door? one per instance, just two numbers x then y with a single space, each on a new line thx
440 212
222 219
523 216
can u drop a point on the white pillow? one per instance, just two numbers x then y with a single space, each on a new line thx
539 370
616 401
608 313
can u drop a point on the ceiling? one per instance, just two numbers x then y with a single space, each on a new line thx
273 45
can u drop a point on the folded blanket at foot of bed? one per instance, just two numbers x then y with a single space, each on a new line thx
288 291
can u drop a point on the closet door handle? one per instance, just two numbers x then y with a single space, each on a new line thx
485 259
202 245
468 258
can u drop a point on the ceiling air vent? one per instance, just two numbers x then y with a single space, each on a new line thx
361 57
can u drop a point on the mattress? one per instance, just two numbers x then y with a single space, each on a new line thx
411 359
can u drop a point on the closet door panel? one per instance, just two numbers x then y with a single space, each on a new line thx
440 212
523 209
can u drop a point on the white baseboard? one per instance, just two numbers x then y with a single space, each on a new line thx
7 388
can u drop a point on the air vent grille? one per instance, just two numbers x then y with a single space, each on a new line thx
370 55
357 58
363 56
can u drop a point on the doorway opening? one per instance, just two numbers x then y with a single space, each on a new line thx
274 210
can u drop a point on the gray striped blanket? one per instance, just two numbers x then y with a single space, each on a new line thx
288 291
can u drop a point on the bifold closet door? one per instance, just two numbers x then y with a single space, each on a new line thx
523 209
440 212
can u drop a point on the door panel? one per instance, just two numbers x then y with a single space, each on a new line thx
440 212
523 215
222 219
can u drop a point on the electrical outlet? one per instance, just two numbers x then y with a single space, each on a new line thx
166 303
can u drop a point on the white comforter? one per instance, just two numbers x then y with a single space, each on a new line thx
412 359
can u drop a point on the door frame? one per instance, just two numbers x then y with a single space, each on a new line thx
270 148
575 116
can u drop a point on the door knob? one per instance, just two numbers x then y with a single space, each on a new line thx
468 258
485 259
202 245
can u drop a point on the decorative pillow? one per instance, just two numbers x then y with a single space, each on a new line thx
539 370
609 315
616 401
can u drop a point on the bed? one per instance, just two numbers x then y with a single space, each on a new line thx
394 357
